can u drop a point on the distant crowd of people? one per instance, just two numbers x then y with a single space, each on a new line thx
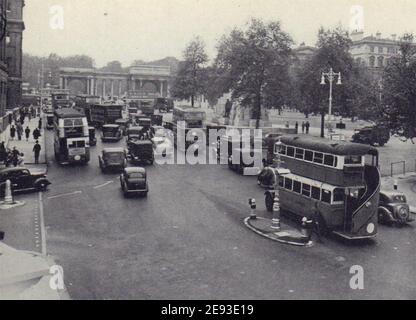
305 126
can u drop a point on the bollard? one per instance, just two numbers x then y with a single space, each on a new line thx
8 196
276 214
252 203
306 228
395 184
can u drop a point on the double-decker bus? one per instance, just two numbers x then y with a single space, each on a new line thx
71 136
84 102
336 182
61 99
184 119
101 114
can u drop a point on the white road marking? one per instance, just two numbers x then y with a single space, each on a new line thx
103 185
65 194
42 225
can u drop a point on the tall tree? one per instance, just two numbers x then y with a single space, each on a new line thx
113 66
191 77
254 65
333 52
399 83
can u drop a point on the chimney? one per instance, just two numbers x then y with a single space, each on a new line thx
378 35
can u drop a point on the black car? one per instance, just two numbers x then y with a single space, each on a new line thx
133 180
23 180
372 135
393 208
140 151
112 159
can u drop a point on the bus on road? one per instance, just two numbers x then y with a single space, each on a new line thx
71 137
61 99
101 114
335 182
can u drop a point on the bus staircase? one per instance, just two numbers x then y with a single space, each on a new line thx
357 212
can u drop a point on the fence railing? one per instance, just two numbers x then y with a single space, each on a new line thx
398 168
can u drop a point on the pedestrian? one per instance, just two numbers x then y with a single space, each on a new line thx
303 126
36 134
296 127
15 156
27 133
3 152
307 125
36 151
12 132
287 124
40 124
317 223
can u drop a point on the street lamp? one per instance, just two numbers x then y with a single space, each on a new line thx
331 77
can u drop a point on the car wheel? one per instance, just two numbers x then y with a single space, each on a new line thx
42 186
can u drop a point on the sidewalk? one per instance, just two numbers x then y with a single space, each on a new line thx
26 147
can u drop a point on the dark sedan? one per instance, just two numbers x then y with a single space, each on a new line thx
112 159
22 179
133 180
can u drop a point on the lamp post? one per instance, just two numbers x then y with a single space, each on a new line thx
331 77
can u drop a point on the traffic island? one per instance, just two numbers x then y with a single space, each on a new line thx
286 234
6 205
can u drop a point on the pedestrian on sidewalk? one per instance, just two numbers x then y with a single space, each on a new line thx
15 156
297 127
307 125
12 132
27 133
40 124
3 152
36 150
303 126
19 130
36 134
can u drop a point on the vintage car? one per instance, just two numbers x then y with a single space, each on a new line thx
22 179
134 133
393 208
162 146
49 121
376 134
111 132
133 180
239 165
91 134
140 151
124 125
112 159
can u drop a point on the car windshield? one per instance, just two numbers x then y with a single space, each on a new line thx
136 175
110 129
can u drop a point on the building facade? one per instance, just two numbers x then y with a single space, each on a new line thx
14 39
3 59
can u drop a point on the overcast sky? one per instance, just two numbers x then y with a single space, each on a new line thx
126 30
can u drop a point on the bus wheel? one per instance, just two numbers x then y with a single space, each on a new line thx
269 202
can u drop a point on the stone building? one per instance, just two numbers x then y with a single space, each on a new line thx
3 60
14 37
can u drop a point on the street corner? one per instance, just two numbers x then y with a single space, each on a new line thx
284 233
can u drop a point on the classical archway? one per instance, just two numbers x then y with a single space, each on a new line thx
77 86
150 86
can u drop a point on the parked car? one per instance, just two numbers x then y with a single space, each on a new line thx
112 159
393 208
111 132
140 151
22 179
133 180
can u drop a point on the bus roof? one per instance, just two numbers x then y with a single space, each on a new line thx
328 146
68 113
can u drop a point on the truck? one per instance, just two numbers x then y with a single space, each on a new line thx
101 114
373 134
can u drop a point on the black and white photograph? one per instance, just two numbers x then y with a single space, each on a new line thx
226 151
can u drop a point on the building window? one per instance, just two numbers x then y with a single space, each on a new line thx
372 61
371 48
380 49
380 61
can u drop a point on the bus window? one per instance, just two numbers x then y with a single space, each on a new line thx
329 160
308 155
77 144
326 196
339 195
306 190
318 157
288 184
290 152
281 151
316 193
299 153
353 160
296 186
